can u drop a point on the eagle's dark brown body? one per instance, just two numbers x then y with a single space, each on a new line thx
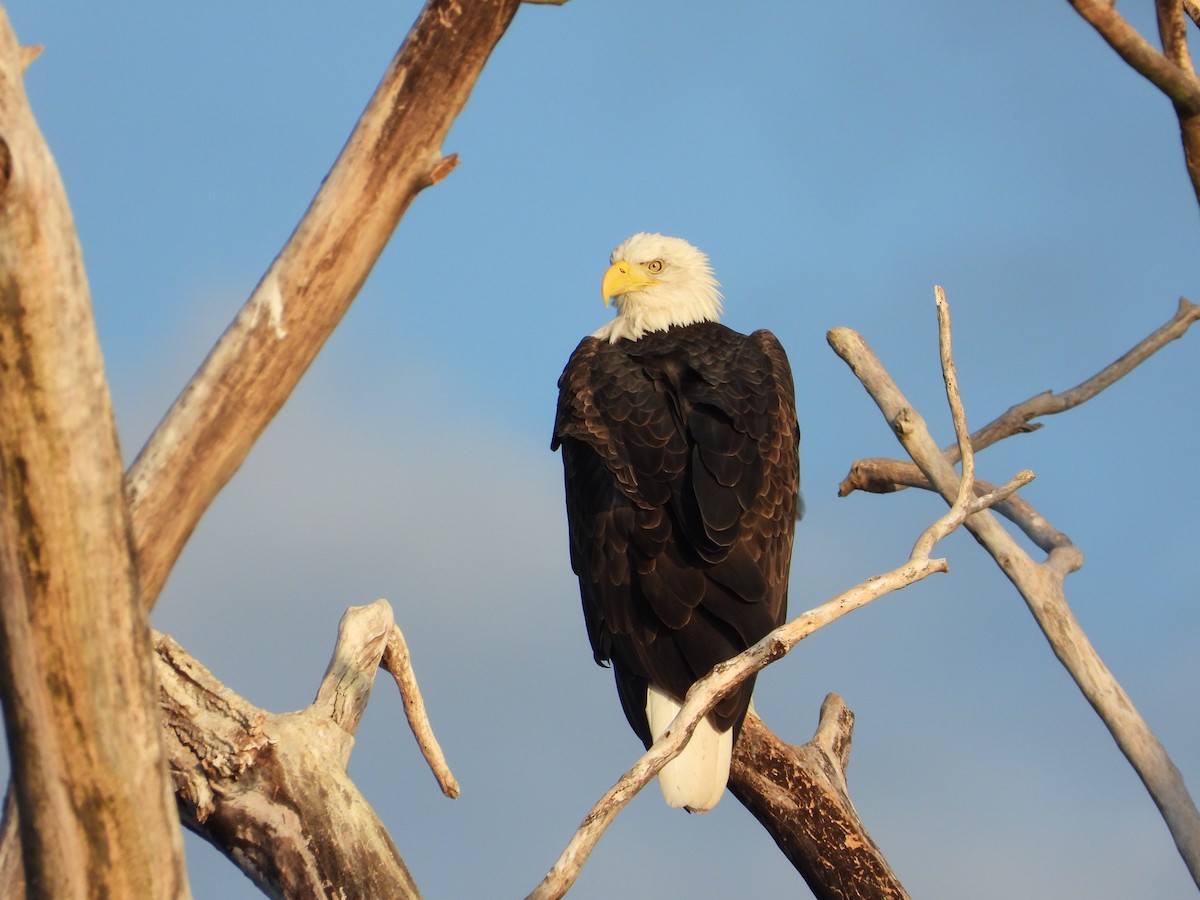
681 462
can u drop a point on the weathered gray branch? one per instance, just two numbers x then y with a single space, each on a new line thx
89 776
702 697
394 152
884 475
1041 585
271 791
397 662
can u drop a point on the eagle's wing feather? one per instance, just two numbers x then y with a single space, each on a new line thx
681 470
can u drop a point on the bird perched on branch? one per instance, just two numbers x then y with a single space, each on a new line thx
680 452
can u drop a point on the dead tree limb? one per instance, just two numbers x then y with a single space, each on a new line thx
271 791
884 475
76 679
701 698
394 152
1170 70
1041 585
800 796
398 663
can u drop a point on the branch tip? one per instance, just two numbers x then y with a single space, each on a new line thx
28 54
444 167
1193 10
397 661
835 730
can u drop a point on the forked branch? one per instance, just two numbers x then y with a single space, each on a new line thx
257 785
76 680
368 640
800 796
393 153
885 475
1041 585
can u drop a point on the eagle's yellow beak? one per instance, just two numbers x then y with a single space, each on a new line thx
623 277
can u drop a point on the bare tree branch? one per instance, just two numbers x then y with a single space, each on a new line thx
89 771
1192 8
397 661
1172 32
885 475
800 796
369 640
702 697
1042 587
393 153
1171 72
258 786
1179 84
791 833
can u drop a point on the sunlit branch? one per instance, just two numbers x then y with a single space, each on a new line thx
884 475
1041 585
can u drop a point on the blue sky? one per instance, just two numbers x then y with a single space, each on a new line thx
836 162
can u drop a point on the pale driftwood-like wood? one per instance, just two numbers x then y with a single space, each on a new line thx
706 692
368 640
800 796
1041 585
350 677
271 791
97 817
394 152
884 475
397 662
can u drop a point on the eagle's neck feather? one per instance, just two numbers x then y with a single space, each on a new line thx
641 312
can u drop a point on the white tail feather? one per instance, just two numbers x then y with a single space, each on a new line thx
696 778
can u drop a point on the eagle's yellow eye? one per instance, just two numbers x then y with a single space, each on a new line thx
654 266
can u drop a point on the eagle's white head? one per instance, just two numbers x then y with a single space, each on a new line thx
656 282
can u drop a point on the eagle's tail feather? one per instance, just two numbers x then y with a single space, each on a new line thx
696 778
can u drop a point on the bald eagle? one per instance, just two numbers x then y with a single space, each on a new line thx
680 453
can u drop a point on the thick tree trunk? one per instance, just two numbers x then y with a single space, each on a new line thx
76 676
393 153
